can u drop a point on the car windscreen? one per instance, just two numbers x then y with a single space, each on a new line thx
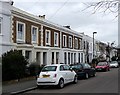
49 68
101 64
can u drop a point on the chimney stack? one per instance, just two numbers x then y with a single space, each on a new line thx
67 27
42 16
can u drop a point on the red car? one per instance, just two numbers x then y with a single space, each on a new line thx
102 66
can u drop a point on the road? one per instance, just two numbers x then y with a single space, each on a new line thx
104 82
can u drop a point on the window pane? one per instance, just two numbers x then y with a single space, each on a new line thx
20 35
64 41
34 34
47 37
20 27
20 31
56 38
70 42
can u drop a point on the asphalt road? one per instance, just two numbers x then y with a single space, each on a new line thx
104 82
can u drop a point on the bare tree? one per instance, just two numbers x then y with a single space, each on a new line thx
104 6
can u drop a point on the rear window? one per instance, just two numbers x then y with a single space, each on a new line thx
49 68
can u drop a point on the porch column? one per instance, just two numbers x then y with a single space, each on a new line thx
33 56
23 53
70 58
54 57
41 58
67 57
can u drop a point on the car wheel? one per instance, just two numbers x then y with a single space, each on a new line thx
75 80
61 83
86 76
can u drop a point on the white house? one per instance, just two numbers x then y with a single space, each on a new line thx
37 38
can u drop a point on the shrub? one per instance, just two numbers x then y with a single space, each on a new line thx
35 68
13 65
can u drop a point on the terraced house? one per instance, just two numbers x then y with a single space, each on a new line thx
37 38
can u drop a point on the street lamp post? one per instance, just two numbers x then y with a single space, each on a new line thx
93 44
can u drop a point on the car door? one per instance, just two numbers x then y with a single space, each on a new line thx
88 69
63 73
70 73
91 70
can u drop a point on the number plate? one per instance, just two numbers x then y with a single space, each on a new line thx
46 76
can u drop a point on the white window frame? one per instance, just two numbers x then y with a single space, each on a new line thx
36 34
64 41
76 42
57 40
20 40
70 43
46 37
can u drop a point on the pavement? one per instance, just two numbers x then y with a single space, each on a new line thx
18 87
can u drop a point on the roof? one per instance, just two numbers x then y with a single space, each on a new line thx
43 21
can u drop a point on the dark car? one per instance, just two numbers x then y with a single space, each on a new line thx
83 70
118 62
102 66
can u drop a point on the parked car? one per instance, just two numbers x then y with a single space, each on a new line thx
56 74
102 66
83 70
114 64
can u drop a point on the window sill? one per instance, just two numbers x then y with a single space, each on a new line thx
48 44
56 45
33 42
20 41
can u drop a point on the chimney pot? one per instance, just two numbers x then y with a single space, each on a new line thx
67 27
42 16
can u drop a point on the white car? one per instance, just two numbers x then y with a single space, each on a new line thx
56 74
114 64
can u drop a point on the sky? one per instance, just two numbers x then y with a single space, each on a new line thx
74 14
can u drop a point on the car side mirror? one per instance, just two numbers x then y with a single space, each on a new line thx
71 69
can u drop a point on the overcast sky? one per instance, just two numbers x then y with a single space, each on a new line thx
70 12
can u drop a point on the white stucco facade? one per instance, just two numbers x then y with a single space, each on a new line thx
43 54
5 35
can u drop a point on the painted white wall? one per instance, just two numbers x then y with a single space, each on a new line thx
5 36
90 51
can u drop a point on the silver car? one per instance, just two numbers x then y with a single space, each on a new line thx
114 64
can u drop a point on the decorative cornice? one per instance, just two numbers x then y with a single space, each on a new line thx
43 21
